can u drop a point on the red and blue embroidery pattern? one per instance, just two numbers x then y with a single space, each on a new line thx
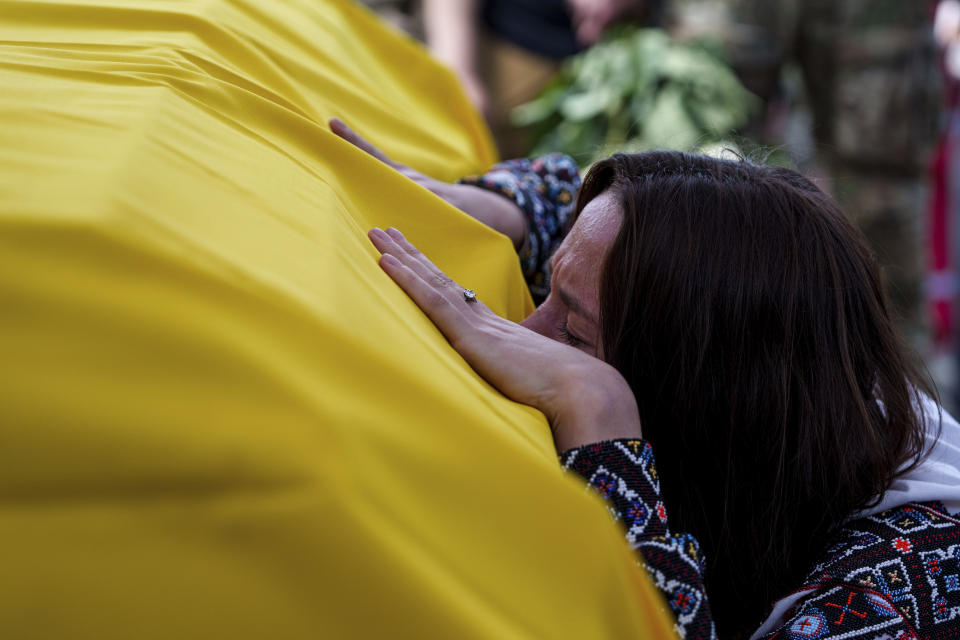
624 473
891 576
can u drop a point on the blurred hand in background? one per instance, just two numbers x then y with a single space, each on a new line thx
592 17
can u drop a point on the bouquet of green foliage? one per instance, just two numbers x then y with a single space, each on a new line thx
638 89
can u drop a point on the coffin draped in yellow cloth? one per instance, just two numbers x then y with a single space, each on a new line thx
218 417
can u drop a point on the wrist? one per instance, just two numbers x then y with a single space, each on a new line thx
594 406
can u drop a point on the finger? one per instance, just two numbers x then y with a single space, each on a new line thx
401 240
394 244
435 302
427 265
409 172
340 128
409 256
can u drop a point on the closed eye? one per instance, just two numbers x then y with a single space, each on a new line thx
568 337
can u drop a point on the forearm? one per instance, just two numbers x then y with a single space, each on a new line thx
497 212
451 32
624 473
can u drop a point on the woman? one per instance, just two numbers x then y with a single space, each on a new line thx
728 318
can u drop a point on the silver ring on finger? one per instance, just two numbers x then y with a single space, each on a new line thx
469 295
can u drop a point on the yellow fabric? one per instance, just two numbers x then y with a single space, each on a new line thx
218 417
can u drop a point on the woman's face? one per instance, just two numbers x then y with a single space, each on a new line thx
571 312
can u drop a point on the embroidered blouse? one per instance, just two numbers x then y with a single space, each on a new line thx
893 576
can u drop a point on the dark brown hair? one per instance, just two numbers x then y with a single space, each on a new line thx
748 316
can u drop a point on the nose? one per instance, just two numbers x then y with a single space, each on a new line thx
544 320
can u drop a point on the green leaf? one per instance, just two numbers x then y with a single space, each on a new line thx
668 125
584 106
541 108
637 89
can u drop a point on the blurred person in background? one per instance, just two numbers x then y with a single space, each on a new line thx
506 51
944 232
869 70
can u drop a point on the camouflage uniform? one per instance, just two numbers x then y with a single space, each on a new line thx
870 73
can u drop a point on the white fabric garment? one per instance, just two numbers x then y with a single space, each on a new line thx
937 478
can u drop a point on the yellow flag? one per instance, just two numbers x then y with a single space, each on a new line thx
218 417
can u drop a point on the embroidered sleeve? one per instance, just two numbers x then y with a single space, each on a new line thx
842 612
545 189
891 575
624 473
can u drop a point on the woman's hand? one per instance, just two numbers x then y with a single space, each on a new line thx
491 209
584 399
